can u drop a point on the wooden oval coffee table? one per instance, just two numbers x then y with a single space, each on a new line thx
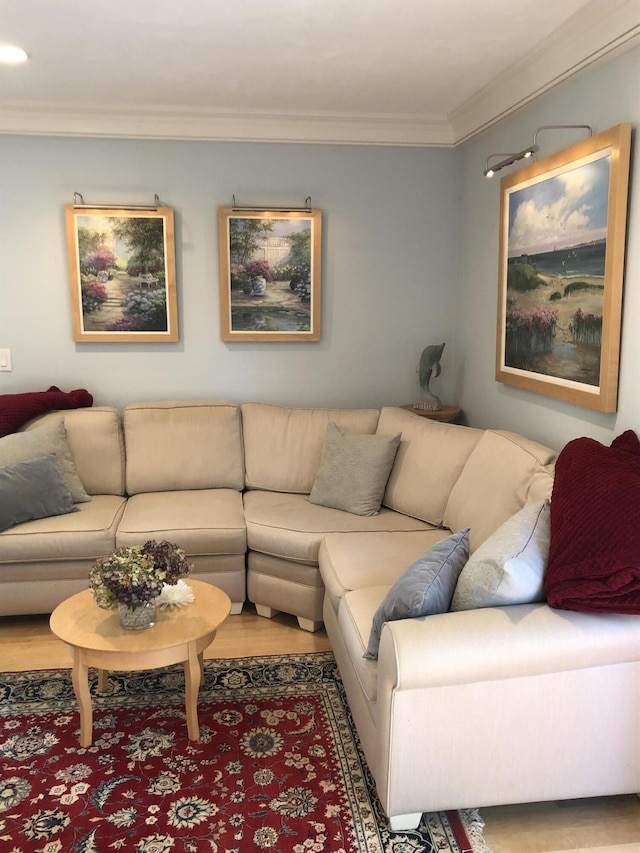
180 635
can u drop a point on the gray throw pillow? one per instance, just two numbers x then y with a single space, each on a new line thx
424 589
33 489
354 469
50 437
509 566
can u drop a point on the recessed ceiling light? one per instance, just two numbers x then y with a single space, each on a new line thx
11 54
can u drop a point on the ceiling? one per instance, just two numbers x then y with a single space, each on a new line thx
406 72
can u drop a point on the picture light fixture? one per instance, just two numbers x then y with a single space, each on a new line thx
510 159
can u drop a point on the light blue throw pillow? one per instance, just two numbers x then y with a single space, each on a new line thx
49 437
424 589
33 489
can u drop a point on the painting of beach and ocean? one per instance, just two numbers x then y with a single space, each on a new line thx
557 245
561 271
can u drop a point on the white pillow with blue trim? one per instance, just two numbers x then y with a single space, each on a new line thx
509 567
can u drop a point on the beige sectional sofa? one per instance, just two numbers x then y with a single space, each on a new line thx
486 706
282 449
166 470
463 709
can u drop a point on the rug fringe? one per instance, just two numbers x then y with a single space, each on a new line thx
473 825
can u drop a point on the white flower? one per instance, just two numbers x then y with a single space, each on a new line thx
175 595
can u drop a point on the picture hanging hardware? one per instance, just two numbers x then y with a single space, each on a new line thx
80 205
562 127
510 159
275 208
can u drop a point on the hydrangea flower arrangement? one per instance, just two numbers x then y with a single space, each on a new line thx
136 575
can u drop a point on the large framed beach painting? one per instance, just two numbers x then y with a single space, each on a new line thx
122 273
269 275
562 243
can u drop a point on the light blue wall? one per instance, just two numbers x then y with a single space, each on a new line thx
410 257
389 268
602 98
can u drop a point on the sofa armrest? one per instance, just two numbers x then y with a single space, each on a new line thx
474 708
500 643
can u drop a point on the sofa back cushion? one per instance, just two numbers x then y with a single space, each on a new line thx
96 442
174 445
428 463
503 473
283 446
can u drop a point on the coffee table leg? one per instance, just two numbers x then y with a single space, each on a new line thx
103 681
80 681
201 656
192 677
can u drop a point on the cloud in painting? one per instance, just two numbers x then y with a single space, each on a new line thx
561 211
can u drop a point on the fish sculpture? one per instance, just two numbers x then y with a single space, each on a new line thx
428 368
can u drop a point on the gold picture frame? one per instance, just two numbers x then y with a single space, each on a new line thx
122 274
270 284
561 269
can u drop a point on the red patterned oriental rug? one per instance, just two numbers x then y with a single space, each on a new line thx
278 767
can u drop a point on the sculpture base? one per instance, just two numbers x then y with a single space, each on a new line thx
428 405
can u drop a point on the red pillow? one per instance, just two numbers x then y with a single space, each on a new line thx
594 554
17 409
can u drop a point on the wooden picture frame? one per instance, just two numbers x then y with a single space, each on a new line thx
561 268
122 274
270 281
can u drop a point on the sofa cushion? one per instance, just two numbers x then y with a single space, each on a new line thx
351 561
88 533
508 568
355 616
179 445
202 521
96 441
425 588
48 437
428 463
594 556
289 526
283 446
354 470
33 489
505 467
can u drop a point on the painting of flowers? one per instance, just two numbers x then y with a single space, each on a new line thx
269 275
561 272
122 274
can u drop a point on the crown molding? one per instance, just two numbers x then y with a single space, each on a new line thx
604 29
130 123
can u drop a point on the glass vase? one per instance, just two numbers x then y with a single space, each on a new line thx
137 618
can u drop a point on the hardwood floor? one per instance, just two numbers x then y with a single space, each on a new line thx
603 825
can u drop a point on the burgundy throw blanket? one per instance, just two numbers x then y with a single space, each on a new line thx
594 555
17 409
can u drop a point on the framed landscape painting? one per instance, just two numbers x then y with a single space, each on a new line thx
269 275
122 273
561 268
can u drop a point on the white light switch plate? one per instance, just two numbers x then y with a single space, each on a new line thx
5 359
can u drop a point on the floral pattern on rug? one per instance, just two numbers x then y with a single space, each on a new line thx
277 767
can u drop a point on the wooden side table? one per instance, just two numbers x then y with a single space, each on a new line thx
447 414
180 635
